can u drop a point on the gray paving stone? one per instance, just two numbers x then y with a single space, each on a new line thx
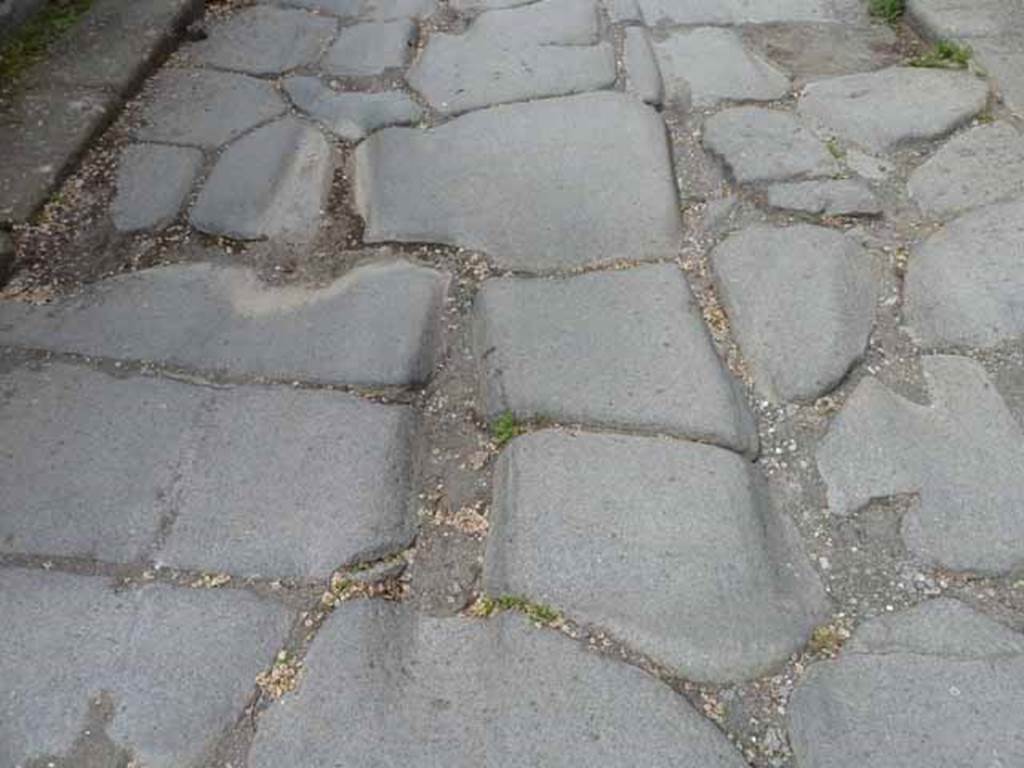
766 145
486 5
642 75
204 108
414 690
961 456
708 65
465 183
272 183
735 11
153 182
370 10
815 51
233 323
981 166
886 109
262 40
801 303
956 20
371 48
175 667
964 284
618 349
1003 60
841 197
671 547
623 11
351 116
919 705
549 48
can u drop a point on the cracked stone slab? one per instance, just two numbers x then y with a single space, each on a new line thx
938 685
671 547
708 65
983 165
642 75
370 49
549 48
965 283
461 692
370 10
886 109
960 456
766 145
840 197
351 116
233 323
800 301
272 183
735 11
465 183
173 667
153 182
618 349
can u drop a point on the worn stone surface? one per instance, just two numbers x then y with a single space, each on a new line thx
736 11
371 48
465 183
953 19
642 75
172 667
351 116
1003 59
623 11
153 182
800 301
370 10
459 692
233 323
813 51
617 349
960 455
841 197
965 283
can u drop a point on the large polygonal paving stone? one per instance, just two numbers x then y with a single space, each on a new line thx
620 349
938 685
382 686
739 11
550 184
370 49
269 481
153 181
671 547
961 456
965 284
885 109
549 48
222 318
352 115
800 301
174 668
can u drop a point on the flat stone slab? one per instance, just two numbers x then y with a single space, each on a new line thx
965 282
801 303
983 165
671 547
956 20
623 11
460 692
816 51
840 197
222 318
935 685
204 108
617 349
889 108
370 49
271 184
351 116
961 456
548 48
735 11
766 145
155 674
153 182
370 10
643 77
465 183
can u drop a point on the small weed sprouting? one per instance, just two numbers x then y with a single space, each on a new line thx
30 43
887 10
486 606
834 149
945 55
504 428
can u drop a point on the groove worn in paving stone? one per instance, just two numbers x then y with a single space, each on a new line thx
371 48
351 116
153 181
384 686
840 197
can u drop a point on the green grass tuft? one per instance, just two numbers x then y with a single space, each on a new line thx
945 55
887 10
505 428
31 42
487 606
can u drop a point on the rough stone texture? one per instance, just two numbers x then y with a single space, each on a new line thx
1003 60
955 19
372 48
619 349
708 65
671 547
735 11
965 283
272 183
766 145
466 183
623 11
203 108
961 456
886 109
642 75
262 40
370 10
800 301
351 116
815 51
981 166
549 48
844 197
152 183
944 695
461 693
231 322
174 667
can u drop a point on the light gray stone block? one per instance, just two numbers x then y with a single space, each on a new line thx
153 182
1003 59
351 116
841 197
623 11
642 75
371 48
736 11
956 20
